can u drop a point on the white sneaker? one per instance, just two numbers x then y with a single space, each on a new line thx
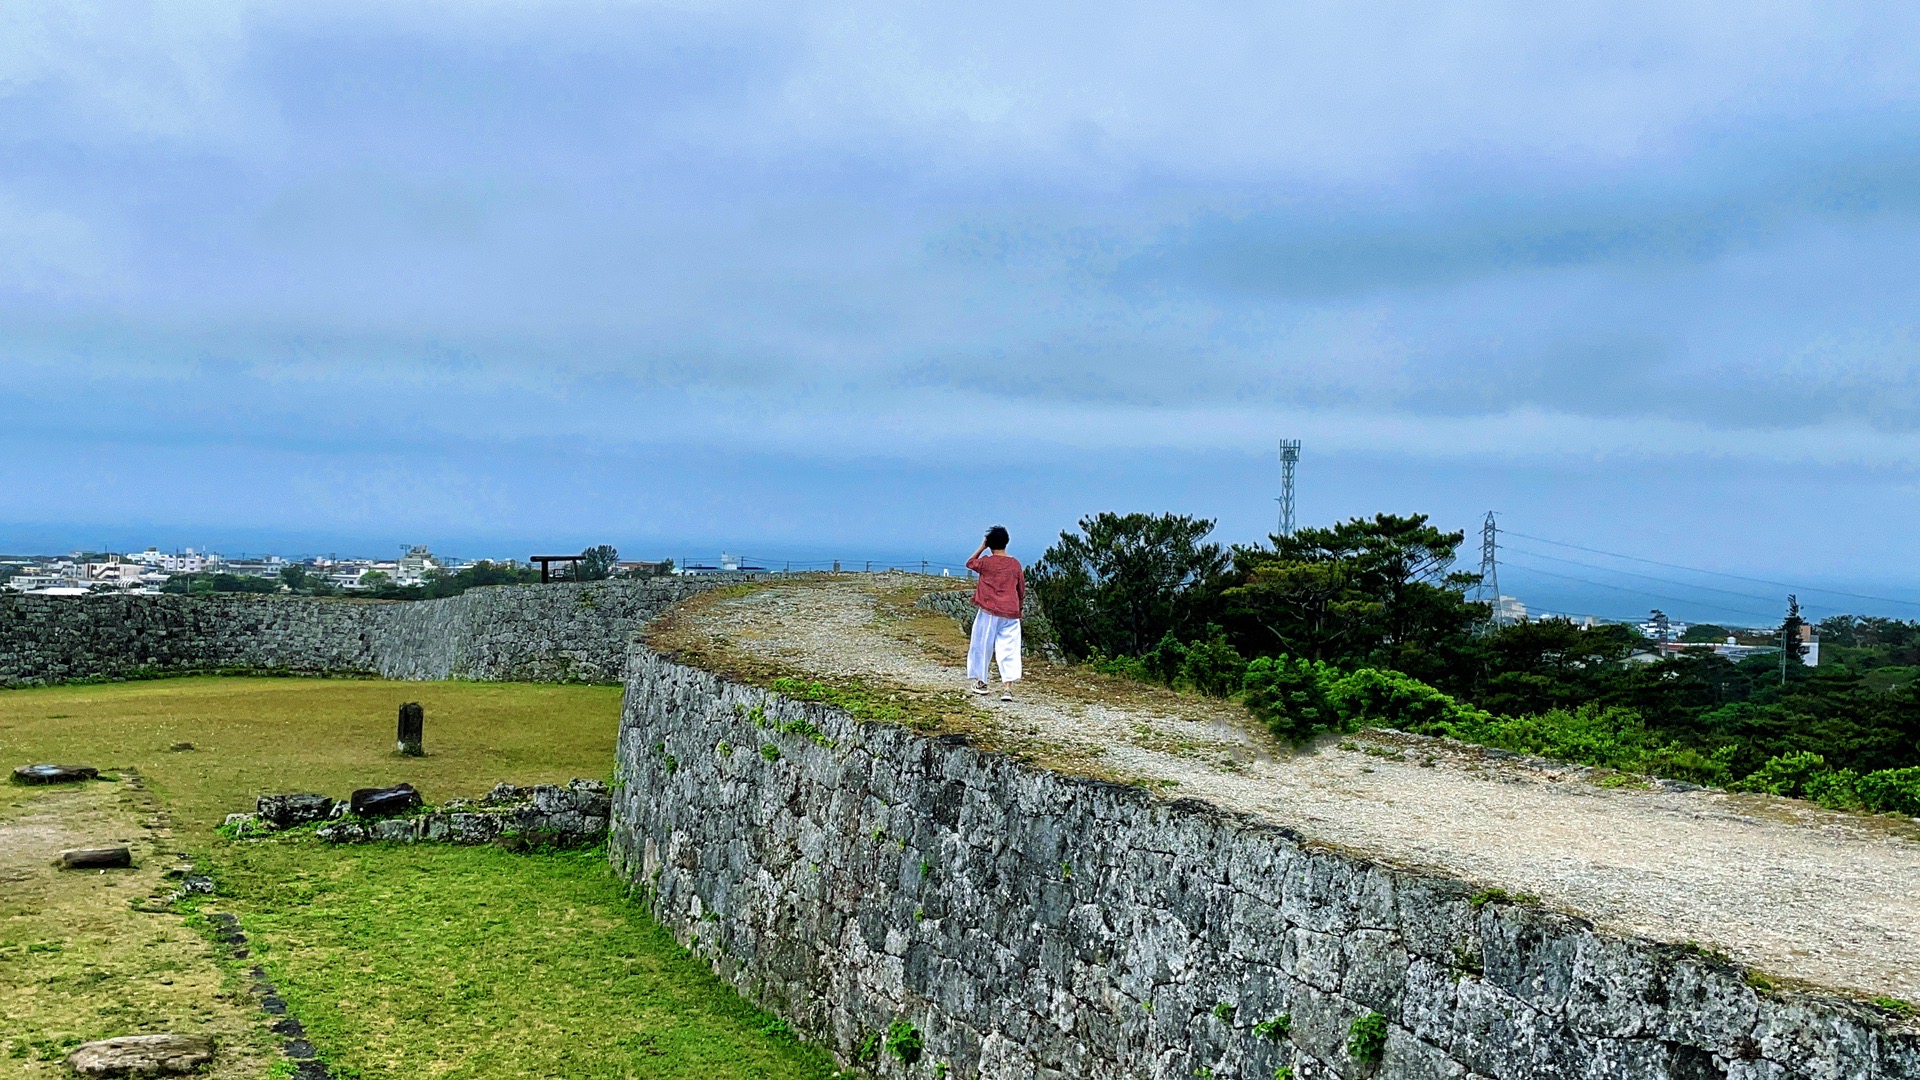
979 687
1006 695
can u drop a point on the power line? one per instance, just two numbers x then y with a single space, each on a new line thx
1642 592
1629 573
1715 573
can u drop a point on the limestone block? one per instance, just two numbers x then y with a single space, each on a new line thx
1831 1043
1315 959
1528 953
286 811
142 1055
1427 1001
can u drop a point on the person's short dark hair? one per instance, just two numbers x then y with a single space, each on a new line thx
997 538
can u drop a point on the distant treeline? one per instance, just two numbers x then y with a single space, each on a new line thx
1368 622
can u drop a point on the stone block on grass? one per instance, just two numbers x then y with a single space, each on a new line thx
106 858
286 811
54 774
142 1055
384 802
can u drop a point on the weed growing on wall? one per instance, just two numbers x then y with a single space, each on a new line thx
904 1042
1274 1028
1902 1009
1367 1037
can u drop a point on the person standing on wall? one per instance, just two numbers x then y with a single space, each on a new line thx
996 625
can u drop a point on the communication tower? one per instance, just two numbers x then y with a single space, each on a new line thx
1289 457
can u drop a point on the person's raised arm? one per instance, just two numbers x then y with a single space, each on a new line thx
973 561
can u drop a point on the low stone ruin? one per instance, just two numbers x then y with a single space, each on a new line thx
542 815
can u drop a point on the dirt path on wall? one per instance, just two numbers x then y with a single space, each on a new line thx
1795 891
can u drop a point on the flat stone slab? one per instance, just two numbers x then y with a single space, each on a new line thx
384 802
142 1055
105 858
54 774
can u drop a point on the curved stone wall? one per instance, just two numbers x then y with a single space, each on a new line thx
545 633
859 878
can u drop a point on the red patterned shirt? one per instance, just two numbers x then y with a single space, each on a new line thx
1003 585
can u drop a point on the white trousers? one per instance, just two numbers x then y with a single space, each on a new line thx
999 639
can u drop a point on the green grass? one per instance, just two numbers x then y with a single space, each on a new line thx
477 962
403 961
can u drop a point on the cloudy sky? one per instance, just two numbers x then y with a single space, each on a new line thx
812 280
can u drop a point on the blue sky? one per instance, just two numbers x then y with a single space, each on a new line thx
855 280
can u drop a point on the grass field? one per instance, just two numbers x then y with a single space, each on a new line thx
415 962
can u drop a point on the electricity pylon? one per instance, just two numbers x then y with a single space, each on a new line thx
1488 591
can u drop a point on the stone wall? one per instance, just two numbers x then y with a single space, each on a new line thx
853 875
557 632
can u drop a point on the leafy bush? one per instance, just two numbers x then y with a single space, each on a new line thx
1787 774
1806 775
1127 667
1610 737
1211 665
1891 791
1390 699
1298 699
1290 697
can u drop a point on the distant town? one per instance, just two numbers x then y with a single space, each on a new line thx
83 573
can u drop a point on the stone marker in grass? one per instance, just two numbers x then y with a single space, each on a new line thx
100 858
54 774
412 720
384 802
142 1055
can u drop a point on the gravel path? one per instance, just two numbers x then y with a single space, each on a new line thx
1796 891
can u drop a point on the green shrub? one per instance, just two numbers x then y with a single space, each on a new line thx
1290 697
1127 667
1211 665
1367 1037
1391 699
1890 791
1805 775
1787 774
1607 736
